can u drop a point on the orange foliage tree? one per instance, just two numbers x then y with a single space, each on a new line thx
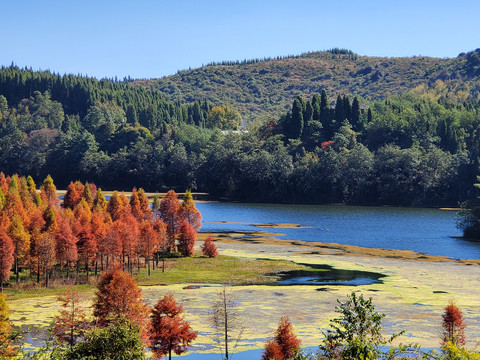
119 298
6 257
169 332
453 325
187 239
169 212
209 249
286 346
65 246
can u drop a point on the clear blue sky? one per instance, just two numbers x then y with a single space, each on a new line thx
148 38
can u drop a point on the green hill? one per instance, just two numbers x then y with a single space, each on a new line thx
267 87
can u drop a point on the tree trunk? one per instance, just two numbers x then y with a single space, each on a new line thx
148 265
17 280
226 323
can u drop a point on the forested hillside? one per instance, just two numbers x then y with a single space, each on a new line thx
417 148
267 87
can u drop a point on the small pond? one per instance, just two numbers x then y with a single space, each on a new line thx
327 275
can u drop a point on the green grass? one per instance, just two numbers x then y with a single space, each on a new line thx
190 270
220 270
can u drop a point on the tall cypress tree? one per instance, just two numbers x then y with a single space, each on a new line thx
294 121
339 110
326 116
316 107
347 108
355 118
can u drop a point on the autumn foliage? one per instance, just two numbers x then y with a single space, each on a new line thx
86 233
169 332
71 323
187 239
209 249
285 345
453 325
119 298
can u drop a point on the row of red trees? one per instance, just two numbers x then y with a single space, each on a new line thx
87 232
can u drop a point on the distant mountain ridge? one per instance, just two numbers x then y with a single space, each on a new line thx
267 87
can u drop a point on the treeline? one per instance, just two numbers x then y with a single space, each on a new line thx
406 150
417 149
78 94
86 233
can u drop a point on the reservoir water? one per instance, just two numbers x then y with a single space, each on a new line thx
429 231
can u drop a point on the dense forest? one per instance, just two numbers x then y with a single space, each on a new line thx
419 148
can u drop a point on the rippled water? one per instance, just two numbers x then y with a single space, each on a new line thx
429 231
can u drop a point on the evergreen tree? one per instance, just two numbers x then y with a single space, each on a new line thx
355 117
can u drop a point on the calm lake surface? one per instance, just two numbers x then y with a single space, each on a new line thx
429 231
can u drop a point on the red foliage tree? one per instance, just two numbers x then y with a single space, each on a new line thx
44 255
168 330
119 298
169 213
209 249
272 351
73 195
6 257
72 322
148 241
65 245
116 205
286 340
453 325
187 239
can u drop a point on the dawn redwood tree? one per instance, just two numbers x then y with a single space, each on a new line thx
145 205
99 202
65 246
209 249
48 192
21 241
169 332
453 326
135 207
287 341
119 298
45 255
169 212
116 206
148 242
6 257
189 212
73 195
272 351
71 323
187 239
